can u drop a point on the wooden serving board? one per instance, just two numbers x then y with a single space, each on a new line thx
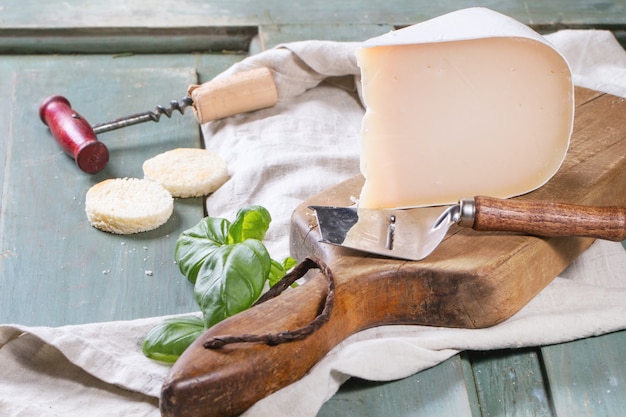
473 279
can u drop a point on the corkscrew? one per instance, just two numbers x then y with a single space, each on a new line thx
154 116
216 99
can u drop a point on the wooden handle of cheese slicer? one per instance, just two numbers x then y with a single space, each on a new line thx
549 219
238 93
74 134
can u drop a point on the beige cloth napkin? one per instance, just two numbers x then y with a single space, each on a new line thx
277 158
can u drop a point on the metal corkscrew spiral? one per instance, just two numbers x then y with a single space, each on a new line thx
154 116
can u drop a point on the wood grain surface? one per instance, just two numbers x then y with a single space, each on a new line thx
78 26
472 280
549 218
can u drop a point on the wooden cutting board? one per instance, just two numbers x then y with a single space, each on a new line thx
473 279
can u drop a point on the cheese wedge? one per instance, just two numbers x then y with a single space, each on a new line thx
470 103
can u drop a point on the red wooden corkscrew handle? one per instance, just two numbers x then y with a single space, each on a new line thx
74 134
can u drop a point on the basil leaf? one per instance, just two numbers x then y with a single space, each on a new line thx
289 263
278 270
169 339
231 280
195 245
251 222
228 265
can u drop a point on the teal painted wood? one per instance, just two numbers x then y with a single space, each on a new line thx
118 40
511 383
588 376
581 378
56 269
470 383
272 35
77 26
438 391
201 13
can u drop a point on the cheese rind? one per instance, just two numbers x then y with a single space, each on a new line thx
470 115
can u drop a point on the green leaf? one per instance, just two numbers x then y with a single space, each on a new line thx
228 265
279 270
289 263
251 222
168 340
195 245
231 279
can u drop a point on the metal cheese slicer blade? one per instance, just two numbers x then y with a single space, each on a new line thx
410 234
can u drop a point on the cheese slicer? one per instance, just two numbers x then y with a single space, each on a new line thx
414 233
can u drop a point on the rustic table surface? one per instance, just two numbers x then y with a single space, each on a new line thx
121 58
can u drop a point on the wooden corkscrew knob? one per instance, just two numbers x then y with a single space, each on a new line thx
74 134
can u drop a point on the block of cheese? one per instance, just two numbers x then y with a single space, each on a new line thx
469 103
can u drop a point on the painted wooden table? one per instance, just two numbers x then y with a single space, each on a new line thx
118 59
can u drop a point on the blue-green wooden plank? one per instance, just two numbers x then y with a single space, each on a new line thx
510 383
119 40
438 391
470 383
78 26
201 13
272 35
588 377
55 269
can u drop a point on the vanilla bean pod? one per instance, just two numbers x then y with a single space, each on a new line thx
273 339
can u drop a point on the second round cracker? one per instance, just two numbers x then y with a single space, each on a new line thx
187 172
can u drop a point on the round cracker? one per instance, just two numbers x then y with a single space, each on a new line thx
187 172
128 205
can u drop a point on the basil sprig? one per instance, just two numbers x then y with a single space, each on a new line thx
169 339
229 266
